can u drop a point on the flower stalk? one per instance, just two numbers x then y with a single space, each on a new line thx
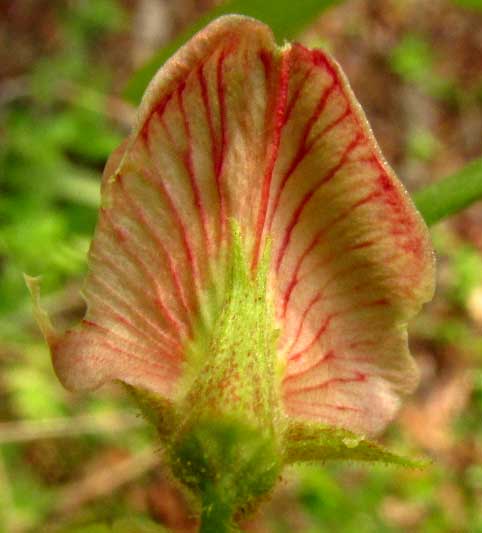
253 270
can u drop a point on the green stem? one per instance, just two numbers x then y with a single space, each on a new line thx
217 517
452 194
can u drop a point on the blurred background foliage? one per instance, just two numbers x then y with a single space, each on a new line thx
84 463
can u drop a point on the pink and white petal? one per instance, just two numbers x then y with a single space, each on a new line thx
352 260
233 127
157 259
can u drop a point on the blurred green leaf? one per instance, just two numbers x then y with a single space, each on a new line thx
101 15
58 137
32 394
452 194
467 273
469 4
422 144
285 17
412 58
30 497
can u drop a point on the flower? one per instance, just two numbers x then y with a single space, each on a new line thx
255 258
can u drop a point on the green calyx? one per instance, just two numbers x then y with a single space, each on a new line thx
226 448
236 374
224 431
229 464
225 435
311 441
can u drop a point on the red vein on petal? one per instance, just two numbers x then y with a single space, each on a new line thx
131 308
303 149
222 109
316 240
221 156
393 196
306 311
366 265
299 210
189 164
325 357
190 255
123 320
123 240
297 93
360 266
329 406
334 277
273 150
296 279
318 59
319 294
316 298
358 378
306 408
331 225
353 358
149 177
342 407
128 355
146 224
215 156
158 109
321 331
346 113
139 347
330 356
